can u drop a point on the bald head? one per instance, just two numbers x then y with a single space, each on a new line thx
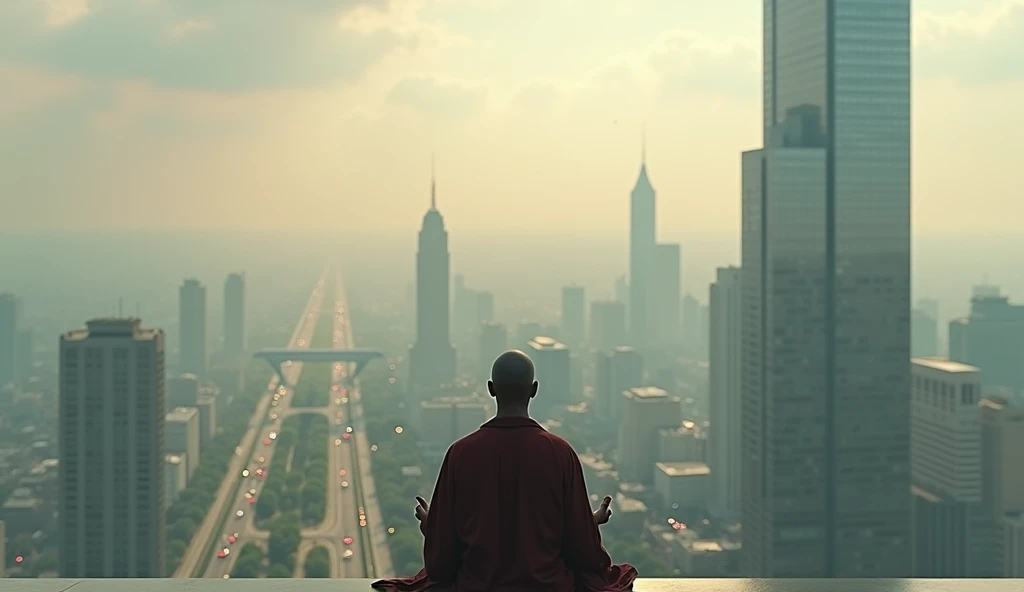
512 377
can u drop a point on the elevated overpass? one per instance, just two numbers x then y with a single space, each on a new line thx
277 358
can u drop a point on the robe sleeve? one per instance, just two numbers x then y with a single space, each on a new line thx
582 549
441 553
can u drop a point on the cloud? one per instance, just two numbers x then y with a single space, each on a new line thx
245 45
978 47
689 63
438 97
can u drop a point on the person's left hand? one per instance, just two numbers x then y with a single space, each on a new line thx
603 513
422 507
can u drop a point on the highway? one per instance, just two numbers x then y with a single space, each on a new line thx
227 496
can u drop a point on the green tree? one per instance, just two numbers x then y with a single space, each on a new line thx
182 529
318 563
266 505
278 570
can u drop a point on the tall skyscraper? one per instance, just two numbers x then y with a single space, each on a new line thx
645 411
432 357
574 316
616 372
551 359
724 371
111 448
990 339
924 334
493 341
10 322
945 468
192 327
234 314
484 307
641 257
826 303
607 324
666 292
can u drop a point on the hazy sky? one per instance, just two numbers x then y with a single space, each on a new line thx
192 113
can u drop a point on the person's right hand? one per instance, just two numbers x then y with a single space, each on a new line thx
422 508
604 512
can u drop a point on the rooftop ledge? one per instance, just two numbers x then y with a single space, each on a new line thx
642 585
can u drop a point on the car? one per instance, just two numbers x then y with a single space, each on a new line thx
337 441
347 436
239 513
344 484
347 554
273 415
248 495
252 500
266 441
362 523
348 430
343 472
261 459
362 511
223 553
233 537
347 540
272 435
252 491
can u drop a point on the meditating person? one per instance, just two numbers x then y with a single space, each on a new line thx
510 510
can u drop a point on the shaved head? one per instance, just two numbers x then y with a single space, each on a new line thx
512 377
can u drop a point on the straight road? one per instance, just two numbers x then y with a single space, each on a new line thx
227 496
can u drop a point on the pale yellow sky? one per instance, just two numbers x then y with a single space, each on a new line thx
188 113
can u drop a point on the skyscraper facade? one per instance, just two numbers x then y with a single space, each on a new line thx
234 314
432 357
724 371
574 316
826 295
10 321
666 295
111 447
192 327
641 258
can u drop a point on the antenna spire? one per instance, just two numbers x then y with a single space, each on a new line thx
433 184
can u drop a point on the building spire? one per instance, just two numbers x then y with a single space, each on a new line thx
643 143
433 184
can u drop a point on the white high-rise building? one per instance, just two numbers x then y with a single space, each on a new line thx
183 435
111 426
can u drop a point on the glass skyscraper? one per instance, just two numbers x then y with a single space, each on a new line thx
826 295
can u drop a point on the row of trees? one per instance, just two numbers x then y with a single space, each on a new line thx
298 471
314 387
383 407
318 563
285 536
188 511
249 563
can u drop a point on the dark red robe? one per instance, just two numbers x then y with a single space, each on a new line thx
510 512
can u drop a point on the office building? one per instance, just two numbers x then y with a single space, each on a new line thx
645 410
493 342
10 324
207 406
484 307
683 443
1002 481
432 357
551 364
621 289
175 477
618 371
690 320
192 329
826 295
990 339
182 429
642 216
684 486
574 316
111 450
724 372
607 324
666 292
945 467
182 391
234 314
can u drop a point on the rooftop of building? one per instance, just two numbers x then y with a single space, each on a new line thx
647 392
945 365
541 342
683 469
111 327
174 459
642 585
182 413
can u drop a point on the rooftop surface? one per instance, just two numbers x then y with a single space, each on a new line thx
945 365
653 585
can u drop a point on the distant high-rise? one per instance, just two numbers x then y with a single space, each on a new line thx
645 411
945 442
990 338
574 316
641 257
724 371
234 314
924 334
493 341
432 357
111 426
617 372
484 307
826 295
666 290
551 359
10 321
607 324
690 321
183 435
192 327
